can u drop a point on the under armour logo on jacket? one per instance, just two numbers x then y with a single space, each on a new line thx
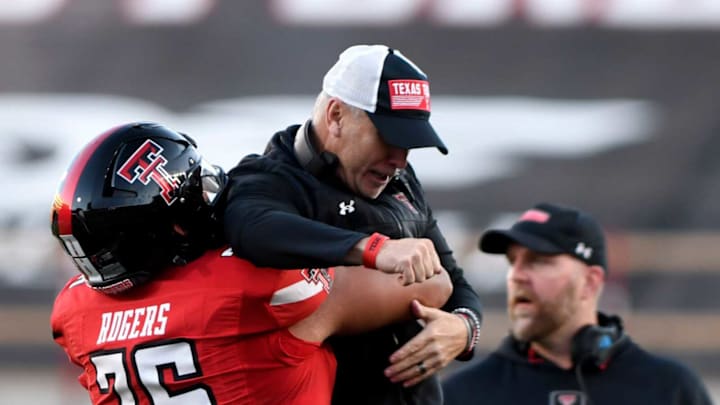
347 208
582 250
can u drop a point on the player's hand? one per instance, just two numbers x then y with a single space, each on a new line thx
415 259
443 338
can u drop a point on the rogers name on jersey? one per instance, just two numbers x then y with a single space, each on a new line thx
123 325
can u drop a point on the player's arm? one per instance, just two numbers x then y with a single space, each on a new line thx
361 300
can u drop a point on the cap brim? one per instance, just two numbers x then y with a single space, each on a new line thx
499 241
407 133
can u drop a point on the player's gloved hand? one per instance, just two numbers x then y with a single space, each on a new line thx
415 259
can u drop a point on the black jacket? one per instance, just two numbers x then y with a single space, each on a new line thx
281 215
513 374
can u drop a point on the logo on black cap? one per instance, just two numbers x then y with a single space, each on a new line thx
552 229
393 91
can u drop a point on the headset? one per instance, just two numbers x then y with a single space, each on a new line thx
595 344
307 154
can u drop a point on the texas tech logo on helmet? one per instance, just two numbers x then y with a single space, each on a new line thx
147 163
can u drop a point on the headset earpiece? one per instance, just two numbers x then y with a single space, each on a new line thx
306 152
594 344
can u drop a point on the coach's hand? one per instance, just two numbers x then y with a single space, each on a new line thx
415 259
443 338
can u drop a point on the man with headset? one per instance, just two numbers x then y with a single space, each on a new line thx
561 350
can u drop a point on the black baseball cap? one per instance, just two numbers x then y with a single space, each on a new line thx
552 229
392 90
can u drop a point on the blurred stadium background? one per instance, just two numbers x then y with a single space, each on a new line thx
609 105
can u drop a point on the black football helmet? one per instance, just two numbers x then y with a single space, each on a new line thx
136 200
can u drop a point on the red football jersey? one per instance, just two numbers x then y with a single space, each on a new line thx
211 332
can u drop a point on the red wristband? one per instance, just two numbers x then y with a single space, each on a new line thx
372 248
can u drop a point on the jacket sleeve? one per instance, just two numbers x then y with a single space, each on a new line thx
463 294
264 221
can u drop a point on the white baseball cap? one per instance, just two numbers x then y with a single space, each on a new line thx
393 91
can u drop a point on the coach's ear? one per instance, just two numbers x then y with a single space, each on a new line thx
594 281
333 116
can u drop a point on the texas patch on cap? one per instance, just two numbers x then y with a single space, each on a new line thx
393 91
552 229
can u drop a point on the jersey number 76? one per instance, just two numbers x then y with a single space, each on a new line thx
148 362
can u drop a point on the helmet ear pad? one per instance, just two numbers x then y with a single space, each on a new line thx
129 203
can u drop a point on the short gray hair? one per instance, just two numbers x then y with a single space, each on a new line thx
321 101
